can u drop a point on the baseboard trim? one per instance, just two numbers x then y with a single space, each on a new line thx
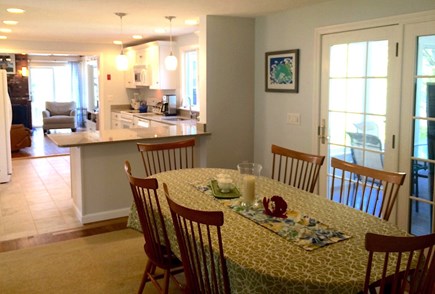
106 215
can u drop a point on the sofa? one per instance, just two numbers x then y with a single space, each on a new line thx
59 115
20 137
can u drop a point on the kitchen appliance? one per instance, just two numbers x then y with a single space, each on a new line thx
169 105
5 129
126 120
141 76
134 104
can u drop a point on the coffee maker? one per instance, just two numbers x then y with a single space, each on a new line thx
169 105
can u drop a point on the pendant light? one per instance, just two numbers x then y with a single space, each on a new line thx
170 60
121 59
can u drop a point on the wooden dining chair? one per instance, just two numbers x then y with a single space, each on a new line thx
160 157
370 190
406 264
200 243
157 246
297 169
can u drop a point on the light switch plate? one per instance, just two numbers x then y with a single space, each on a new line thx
294 118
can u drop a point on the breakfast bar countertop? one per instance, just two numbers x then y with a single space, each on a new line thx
121 135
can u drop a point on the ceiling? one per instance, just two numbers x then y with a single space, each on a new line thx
94 21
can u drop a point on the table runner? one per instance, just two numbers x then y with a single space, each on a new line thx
298 228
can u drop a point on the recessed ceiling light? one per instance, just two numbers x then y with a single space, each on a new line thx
191 22
137 37
160 31
10 22
15 10
117 42
5 30
3 37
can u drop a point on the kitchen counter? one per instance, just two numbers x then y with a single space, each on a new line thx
99 186
186 128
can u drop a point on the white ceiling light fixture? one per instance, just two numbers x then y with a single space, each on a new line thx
170 60
10 22
15 10
3 37
137 37
121 59
2 30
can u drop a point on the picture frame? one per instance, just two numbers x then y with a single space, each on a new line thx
7 62
282 71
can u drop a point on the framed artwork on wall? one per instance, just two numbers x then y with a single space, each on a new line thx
282 71
7 62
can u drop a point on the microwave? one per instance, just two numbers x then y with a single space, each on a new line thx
141 76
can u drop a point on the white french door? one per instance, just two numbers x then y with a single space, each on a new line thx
418 124
360 101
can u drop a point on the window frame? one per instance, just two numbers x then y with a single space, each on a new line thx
184 99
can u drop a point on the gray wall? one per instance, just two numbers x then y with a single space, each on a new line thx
229 90
294 29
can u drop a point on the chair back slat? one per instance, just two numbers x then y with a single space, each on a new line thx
408 264
370 190
201 247
160 157
297 169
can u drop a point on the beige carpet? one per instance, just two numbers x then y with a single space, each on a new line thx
106 263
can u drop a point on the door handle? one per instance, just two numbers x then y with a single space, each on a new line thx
321 132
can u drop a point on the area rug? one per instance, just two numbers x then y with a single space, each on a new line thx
105 263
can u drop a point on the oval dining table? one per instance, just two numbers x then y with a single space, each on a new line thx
261 261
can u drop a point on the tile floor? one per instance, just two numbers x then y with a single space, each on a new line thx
37 200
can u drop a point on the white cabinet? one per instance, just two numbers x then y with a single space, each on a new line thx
154 124
116 120
129 74
161 78
141 57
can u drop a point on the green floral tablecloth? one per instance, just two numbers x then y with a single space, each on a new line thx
261 261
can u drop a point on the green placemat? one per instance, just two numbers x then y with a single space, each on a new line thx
233 193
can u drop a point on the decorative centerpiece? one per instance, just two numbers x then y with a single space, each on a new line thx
276 206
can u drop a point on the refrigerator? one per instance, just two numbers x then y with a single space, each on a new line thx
5 129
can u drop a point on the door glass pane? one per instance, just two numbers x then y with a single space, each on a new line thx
377 63
338 57
423 160
426 56
357 59
355 95
377 96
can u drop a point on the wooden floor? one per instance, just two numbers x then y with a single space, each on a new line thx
86 230
42 146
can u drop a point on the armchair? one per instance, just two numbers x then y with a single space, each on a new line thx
20 137
59 115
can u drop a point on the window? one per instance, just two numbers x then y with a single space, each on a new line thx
190 78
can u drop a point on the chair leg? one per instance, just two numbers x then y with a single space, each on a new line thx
145 276
166 281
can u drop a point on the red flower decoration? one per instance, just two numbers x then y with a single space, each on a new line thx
276 206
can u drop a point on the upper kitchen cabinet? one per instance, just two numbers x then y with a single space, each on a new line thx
161 78
141 56
129 74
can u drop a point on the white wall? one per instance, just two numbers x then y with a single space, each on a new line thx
111 91
294 29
